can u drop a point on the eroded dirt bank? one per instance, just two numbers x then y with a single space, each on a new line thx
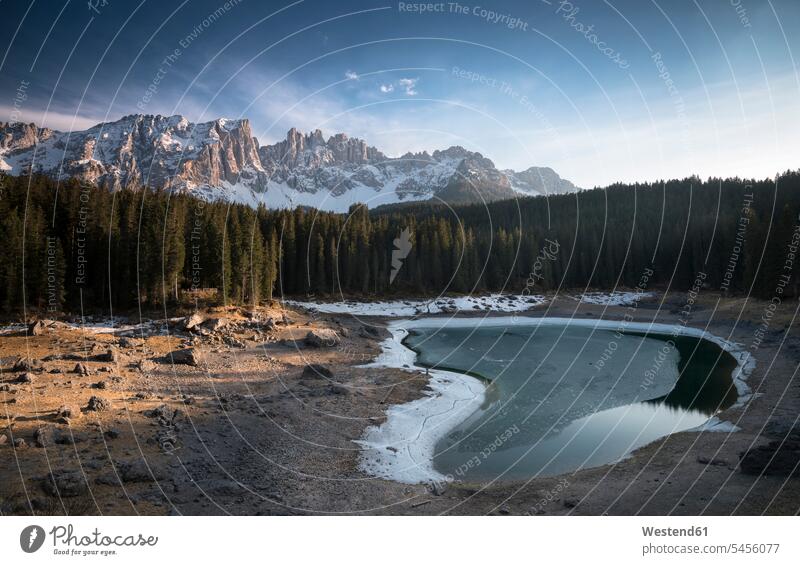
244 413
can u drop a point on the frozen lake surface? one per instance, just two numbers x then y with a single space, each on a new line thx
558 395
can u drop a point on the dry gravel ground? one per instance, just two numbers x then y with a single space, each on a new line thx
247 428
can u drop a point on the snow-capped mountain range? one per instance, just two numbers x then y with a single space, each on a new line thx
222 160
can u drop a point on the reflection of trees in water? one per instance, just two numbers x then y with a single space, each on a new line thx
704 383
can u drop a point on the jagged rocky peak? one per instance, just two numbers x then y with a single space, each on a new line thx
454 152
313 151
149 125
353 150
421 156
19 135
293 151
477 161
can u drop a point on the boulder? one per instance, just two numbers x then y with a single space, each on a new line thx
437 488
68 412
188 356
80 369
216 324
26 364
233 342
65 483
98 404
322 338
193 322
70 438
45 436
162 413
129 342
25 378
65 415
137 471
110 356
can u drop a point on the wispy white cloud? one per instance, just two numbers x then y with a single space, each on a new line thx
351 75
410 85
407 85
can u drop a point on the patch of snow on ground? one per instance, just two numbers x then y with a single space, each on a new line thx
407 308
616 298
124 327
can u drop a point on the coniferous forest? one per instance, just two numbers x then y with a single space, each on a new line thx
70 247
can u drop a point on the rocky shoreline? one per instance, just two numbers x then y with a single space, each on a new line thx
258 412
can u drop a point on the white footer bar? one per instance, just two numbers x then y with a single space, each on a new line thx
348 540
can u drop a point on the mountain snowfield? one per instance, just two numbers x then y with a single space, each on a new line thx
222 160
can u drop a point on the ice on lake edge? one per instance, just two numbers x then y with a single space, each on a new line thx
402 448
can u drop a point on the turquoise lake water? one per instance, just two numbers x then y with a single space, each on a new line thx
562 398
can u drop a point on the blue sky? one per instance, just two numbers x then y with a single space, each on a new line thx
599 90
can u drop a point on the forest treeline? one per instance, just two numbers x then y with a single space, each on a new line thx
69 246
